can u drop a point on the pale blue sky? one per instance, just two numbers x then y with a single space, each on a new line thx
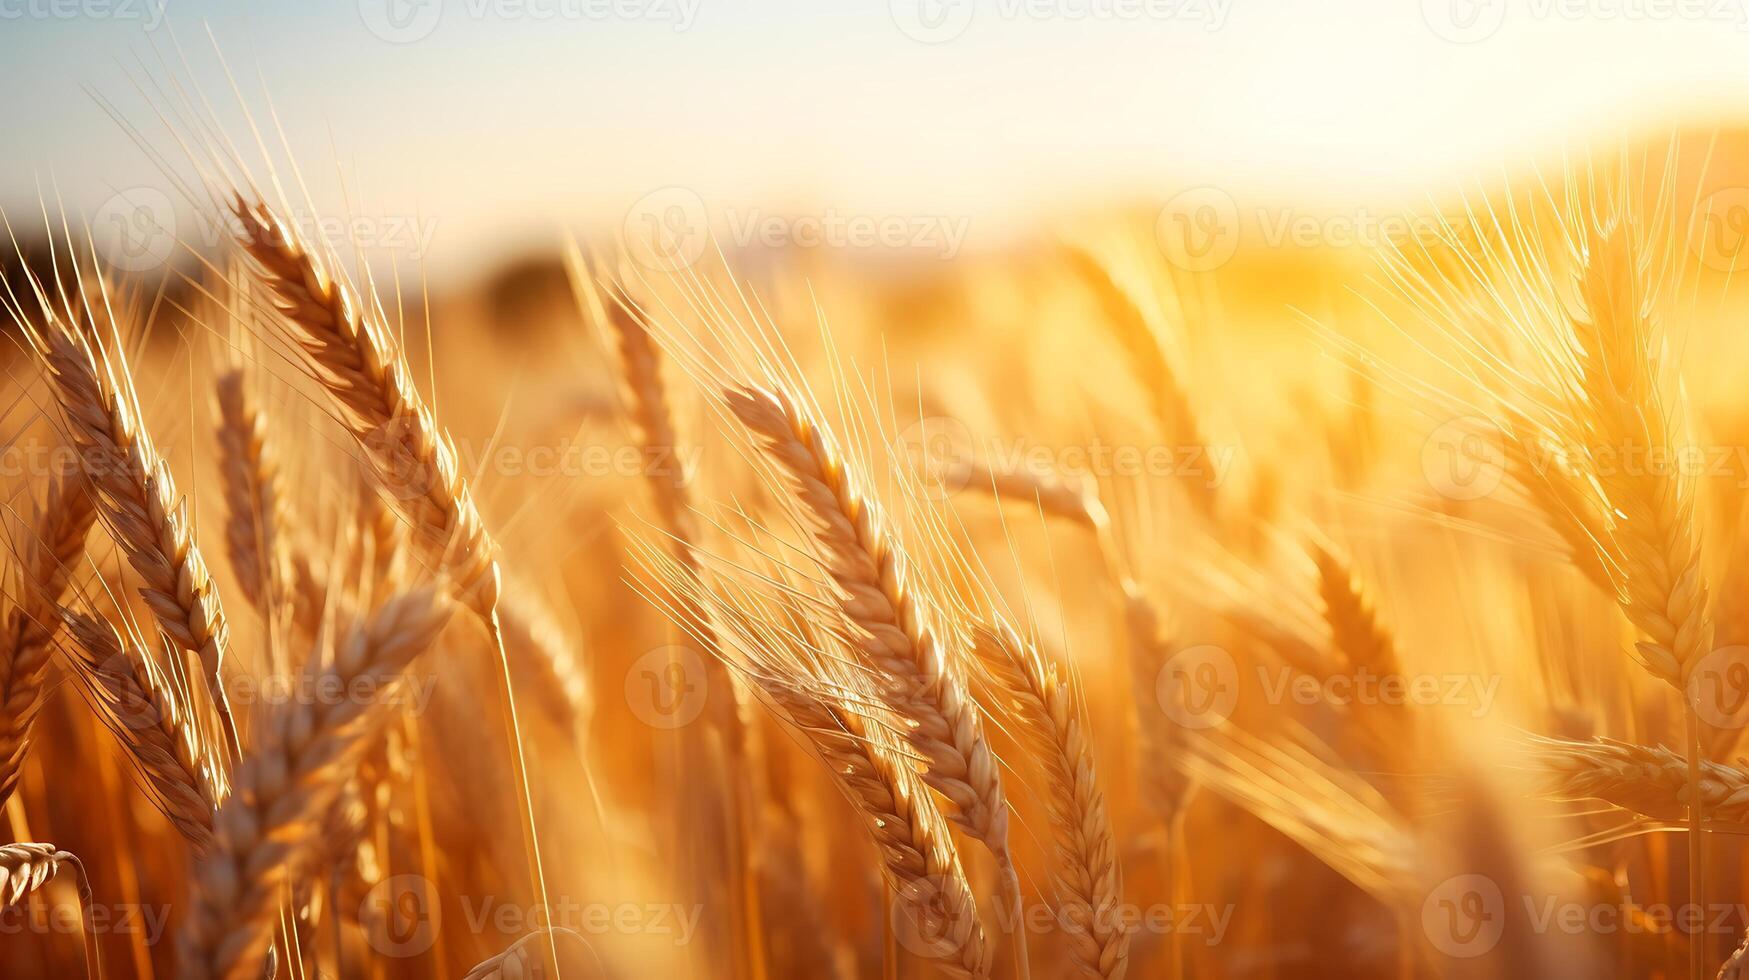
507 126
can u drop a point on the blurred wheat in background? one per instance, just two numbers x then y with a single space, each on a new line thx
1193 587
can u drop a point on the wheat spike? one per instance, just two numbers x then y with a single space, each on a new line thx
899 642
249 474
356 359
1648 780
137 499
284 789
57 538
25 867
1090 883
148 712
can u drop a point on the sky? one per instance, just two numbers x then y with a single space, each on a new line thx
475 127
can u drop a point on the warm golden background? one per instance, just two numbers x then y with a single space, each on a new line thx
1217 348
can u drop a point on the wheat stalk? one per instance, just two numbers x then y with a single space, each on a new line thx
57 538
867 565
1648 780
1355 629
914 674
357 361
149 714
137 499
1171 406
1090 882
25 867
249 475
351 353
285 788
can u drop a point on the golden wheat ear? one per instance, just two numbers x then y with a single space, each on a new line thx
1089 880
354 357
148 711
137 499
56 541
26 867
286 786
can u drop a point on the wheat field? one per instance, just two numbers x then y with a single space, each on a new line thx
1331 596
